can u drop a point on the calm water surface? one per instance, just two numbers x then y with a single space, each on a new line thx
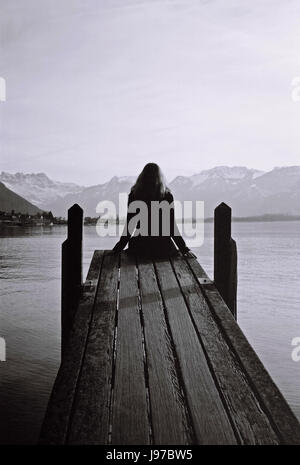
268 311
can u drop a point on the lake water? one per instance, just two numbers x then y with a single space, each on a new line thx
268 311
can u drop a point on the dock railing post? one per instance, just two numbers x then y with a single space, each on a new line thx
71 272
225 257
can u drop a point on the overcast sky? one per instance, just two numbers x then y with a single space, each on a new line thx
97 88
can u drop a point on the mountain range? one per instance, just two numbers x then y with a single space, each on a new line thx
9 201
38 188
249 192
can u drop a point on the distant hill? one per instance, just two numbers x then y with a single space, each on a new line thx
38 188
249 192
89 197
9 201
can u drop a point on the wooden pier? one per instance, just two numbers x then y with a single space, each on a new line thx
152 354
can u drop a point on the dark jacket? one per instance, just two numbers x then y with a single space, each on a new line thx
158 245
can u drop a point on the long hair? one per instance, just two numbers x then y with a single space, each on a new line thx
150 184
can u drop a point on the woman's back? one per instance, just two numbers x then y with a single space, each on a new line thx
155 226
150 228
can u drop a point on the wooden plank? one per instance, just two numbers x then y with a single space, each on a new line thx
249 420
210 420
233 278
55 426
71 283
129 411
225 256
90 420
169 415
271 400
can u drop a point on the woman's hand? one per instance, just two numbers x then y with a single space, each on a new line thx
187 253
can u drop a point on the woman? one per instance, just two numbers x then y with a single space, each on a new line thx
138 232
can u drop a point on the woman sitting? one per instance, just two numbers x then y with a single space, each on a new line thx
153 231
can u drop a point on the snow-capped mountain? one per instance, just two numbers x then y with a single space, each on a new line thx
249 192
38 188
91 196
232 174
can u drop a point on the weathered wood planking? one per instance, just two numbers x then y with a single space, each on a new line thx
210 420
250 422
90 420
273 403
205 383
130 423
170 423
56 422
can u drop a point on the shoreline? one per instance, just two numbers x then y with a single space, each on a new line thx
250 219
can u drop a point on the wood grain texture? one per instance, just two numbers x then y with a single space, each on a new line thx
168 410
130 423
249 420
90 420
271 400
191 342
56 422
210 420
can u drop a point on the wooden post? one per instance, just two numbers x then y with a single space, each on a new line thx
71 272
225 257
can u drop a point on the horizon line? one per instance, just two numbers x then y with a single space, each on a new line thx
134 176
